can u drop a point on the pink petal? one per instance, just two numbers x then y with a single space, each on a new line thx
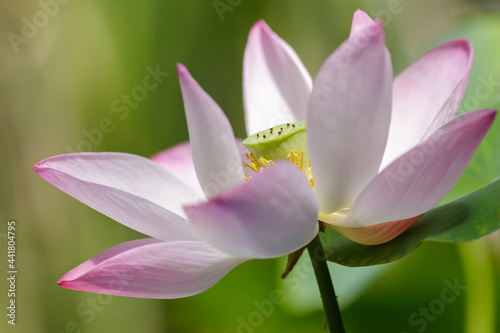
360 21
215 153
272 214
179 161
419 179
245 154
348 119
148 268
276 85
377 233
128 188
427 94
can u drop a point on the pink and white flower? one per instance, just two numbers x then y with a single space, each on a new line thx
382 151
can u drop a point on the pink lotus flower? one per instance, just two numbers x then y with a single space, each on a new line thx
374 172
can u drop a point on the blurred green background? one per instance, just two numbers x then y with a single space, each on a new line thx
59 80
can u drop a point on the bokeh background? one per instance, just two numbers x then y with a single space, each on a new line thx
58 81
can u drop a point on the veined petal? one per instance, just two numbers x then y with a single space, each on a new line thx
377 233
179 161
426 95
359 22
419 179
215 153
276 85
128 188
272 214
149 268
349 116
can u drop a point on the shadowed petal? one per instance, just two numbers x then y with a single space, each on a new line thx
349 116
419 179
426 95
128 188
179 161
276 85
149 268
377 233
215 153
270 215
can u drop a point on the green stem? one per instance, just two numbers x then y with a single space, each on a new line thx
328 297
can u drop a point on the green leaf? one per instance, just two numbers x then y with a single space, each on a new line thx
462 220
483 31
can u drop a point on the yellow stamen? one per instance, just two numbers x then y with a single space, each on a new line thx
265 162
294 156
310 175
254 164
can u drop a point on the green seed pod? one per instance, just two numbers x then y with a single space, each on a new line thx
277 142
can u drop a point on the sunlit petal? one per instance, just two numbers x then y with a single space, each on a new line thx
276 85
215 153
348 119
270 215
128 188
148 268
